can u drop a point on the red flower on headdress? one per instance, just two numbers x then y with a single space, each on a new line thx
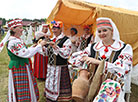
57 24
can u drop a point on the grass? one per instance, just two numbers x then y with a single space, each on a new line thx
4 60
3 75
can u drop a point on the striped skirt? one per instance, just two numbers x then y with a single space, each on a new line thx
65 85
22 85
40 66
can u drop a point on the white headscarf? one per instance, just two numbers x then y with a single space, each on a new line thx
2 43
48 32
116 36
39 34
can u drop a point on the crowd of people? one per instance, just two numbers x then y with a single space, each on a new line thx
54 54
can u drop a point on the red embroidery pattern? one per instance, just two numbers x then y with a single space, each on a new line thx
126 57
16 47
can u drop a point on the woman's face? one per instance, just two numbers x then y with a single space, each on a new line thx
18 31
45 30
105 34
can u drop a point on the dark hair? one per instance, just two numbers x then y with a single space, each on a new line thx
35 41
75 30
56 27
12 32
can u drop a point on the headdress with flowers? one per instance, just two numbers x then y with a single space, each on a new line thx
56 24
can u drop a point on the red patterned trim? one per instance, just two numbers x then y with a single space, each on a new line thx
19 66
116 48
53 93
96 47
65 97
101 23
14 23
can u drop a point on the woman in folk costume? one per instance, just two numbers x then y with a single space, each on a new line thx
117 55
86 38
73 37
22 84
41 60
58 85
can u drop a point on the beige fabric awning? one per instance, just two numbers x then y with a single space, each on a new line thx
78 13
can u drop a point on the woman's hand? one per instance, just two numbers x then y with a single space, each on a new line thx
47 37
90 60
43 42
52 44
73 41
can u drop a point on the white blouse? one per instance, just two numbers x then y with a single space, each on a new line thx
17 47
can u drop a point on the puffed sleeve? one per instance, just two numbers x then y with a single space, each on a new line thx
65 51
18 48
123 66
76 56
124 62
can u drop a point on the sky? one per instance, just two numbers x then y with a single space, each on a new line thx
38 9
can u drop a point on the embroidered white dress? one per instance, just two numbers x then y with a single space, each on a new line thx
122 65
52 84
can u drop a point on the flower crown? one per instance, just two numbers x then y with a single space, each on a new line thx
56 24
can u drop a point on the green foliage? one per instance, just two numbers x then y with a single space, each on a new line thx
24 19
3 21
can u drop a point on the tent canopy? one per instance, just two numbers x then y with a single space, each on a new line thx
79 13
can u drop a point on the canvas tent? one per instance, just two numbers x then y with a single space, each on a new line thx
78 12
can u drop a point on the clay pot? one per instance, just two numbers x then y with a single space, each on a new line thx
84 74
80 87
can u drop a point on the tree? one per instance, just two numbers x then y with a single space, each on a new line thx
3 21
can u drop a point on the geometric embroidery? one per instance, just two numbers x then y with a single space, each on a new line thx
50 55
125 57
83 43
